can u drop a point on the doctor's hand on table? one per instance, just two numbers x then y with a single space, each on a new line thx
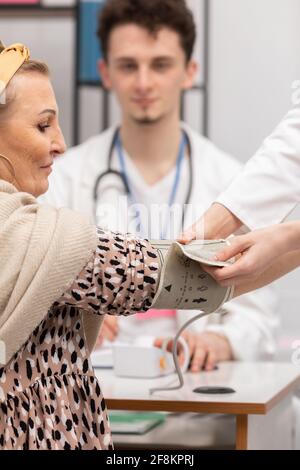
207 349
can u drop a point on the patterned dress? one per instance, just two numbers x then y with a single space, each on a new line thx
49 395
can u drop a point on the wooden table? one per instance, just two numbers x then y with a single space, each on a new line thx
262 403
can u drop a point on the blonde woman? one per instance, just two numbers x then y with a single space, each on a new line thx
59 276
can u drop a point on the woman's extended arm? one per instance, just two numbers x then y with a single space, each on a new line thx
120 279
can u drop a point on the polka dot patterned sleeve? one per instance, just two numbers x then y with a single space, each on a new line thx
121 278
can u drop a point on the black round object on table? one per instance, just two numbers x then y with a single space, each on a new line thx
211 390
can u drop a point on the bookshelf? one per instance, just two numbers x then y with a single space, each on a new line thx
39 9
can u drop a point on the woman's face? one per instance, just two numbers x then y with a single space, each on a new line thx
30 136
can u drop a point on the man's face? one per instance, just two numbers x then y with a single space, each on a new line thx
147 72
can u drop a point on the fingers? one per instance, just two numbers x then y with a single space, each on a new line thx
110 329
180 351
211 360
99 341
203 352
198 359
210 348
186 237
224 276
108 335
221 275
191 342
195 232
237 246
235 274
197 350
158 342
211 270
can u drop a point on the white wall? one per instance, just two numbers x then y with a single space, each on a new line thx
254 58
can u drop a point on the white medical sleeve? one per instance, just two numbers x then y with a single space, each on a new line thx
268 188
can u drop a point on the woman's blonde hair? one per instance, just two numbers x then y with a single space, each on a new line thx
28 66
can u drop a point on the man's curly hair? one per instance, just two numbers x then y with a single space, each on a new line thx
151 15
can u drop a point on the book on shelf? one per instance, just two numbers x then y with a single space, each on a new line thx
58 3
89 45
19 2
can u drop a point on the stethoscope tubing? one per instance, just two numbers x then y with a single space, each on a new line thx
110 171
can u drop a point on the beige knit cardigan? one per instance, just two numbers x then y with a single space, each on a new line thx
41 252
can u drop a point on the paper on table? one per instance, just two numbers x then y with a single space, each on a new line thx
183 283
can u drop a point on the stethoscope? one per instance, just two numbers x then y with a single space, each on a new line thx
122 175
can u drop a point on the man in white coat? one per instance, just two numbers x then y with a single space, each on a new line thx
169 170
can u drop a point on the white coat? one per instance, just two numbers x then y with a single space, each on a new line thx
250 321
268 188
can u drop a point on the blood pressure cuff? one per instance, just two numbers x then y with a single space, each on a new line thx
184 285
